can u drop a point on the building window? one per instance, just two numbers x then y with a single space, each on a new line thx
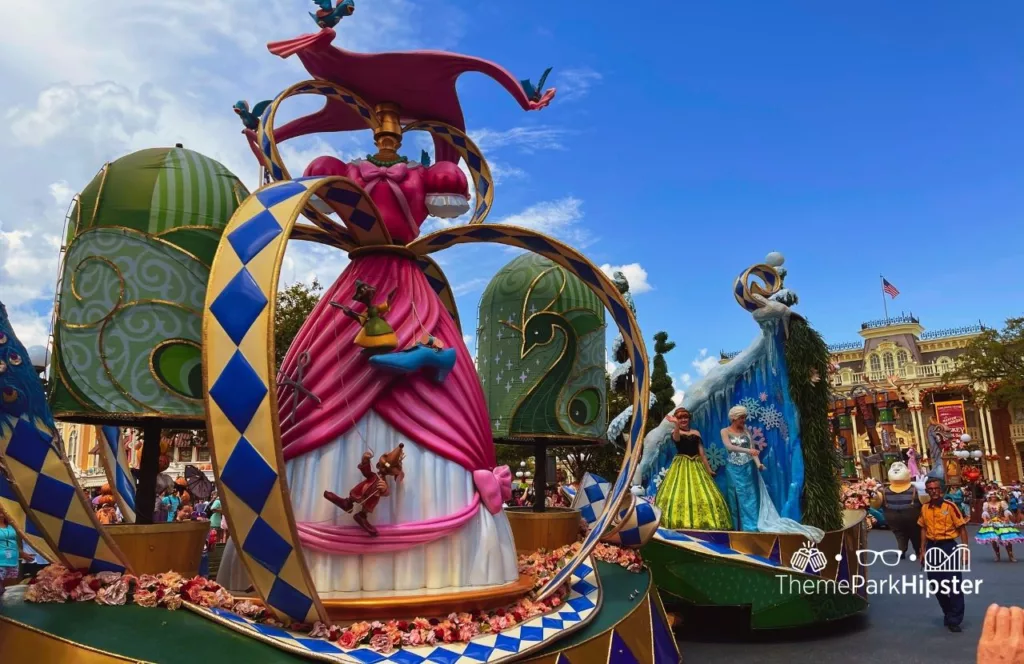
945 366
73 446
876 364
901 358
890 368
204 454
184 454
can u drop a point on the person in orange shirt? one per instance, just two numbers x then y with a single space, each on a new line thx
941 525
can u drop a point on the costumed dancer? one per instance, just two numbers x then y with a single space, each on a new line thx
915 470
997 526
956 495
688 497
902 508
749 501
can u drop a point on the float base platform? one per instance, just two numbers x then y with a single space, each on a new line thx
623 629
783 580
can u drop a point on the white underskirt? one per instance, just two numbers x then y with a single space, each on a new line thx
481 553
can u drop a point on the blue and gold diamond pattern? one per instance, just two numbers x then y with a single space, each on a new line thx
241 396
483 183
19 519
439 284
689 542
750 294
510 645
348 199
57 512
610 297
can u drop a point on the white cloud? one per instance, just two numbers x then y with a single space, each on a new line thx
527 139
558 218
686 379
635 275
468 340
61 193
466 287
704 363
576 83
109 79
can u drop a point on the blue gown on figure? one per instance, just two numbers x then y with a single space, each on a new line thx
749 501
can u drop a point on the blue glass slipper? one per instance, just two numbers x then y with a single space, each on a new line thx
416 358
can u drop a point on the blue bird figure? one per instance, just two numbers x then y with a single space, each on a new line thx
251 119
328 17
534 92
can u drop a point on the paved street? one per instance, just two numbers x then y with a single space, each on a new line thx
896 628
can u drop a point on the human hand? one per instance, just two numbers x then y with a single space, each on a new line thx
382 486
1002 636
367 455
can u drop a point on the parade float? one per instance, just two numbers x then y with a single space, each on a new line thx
778 384
359 480
540 355
127 324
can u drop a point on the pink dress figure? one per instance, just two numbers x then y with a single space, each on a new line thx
443 525
915 472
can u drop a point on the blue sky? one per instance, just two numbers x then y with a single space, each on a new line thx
880 138
687 139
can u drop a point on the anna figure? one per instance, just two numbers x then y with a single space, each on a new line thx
688 497
751 504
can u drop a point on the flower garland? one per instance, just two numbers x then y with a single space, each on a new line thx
57 584
858 496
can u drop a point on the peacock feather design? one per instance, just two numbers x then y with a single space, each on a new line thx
553 404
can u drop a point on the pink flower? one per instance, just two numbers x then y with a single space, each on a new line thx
348 639
467 631
381 643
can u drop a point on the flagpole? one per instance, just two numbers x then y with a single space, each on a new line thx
885 305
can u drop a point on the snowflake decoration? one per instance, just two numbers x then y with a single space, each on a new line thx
763 397
775 372
757 437
660 477
784 430
770 417
753 407
716 456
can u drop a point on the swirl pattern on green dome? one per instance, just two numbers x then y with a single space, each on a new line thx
133 282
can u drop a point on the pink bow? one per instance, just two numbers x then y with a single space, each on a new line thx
371 173
494 487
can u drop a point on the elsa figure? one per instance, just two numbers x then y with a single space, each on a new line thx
749 501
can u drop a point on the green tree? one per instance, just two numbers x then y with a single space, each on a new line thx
661 381
294 304
808 360
993 365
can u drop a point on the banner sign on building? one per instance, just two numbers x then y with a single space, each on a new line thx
952 415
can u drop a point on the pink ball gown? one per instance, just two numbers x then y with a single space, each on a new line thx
443 526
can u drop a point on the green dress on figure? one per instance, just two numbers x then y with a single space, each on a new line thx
688 497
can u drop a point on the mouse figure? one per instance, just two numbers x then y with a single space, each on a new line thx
372 488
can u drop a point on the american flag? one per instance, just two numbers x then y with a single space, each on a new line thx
889 289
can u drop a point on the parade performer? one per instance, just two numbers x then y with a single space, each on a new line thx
997 526
688 496
901 508
956 495
749 501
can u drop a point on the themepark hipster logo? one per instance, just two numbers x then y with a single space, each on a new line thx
941 573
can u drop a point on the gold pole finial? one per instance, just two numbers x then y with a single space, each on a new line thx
388 136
